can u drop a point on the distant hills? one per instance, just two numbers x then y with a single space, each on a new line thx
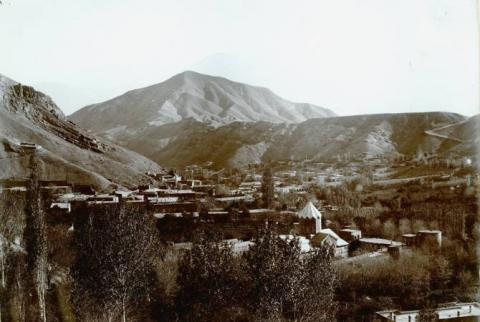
193 118
65 151
241 143
372 135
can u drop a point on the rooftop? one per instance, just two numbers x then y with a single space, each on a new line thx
350 230
427 231
444 313
380 241
310 212
338 241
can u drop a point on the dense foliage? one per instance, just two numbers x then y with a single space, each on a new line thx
272 281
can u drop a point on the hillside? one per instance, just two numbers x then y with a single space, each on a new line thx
467 131
212 100
371 135
65 151
237 144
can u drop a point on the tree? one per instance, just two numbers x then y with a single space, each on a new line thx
285 283
36 239
389 230
267 189
18 289
8 225
12 224
117 246
273 280
404 226
427 315
320 281
208 280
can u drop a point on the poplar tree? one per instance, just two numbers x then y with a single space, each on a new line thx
117 245
268 190
12 224
36 240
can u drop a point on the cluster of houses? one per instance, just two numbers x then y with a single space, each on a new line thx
181 203
182 208
202 197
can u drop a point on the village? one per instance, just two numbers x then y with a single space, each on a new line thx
232 201
336 204
343 204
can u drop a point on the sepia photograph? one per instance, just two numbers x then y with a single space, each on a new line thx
239 160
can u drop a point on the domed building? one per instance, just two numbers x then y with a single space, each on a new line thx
310 225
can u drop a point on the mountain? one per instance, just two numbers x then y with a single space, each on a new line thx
240 143
64 150
369 135
212 100
193 118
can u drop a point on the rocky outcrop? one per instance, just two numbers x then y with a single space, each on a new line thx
31 122
40 109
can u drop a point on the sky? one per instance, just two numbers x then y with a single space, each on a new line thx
352 56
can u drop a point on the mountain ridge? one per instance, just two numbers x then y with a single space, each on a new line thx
210 99
213 125
238 144
63 149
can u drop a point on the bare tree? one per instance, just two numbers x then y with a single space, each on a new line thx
117 245
17 287
12 224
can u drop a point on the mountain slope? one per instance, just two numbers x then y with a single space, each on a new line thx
66 152
368 135
237 144
212 100
464 137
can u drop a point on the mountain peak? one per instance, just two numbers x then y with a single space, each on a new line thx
187 74
188 77
191 73
208 99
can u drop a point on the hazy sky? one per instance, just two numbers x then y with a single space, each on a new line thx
352 56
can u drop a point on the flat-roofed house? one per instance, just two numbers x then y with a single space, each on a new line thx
374 244
464 312
429 237
409 239
350 234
